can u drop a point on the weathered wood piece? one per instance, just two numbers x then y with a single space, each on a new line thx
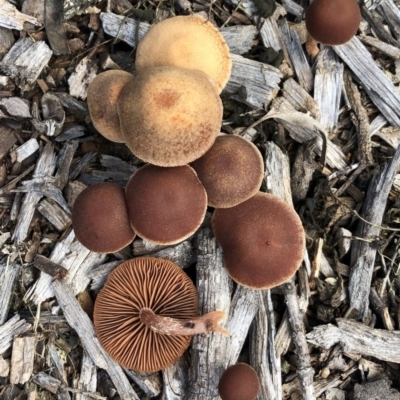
378 86
379 389
49 267
16 107
55 31
54 214
22 357
26 60
384 48
87 379
355 337
239 37
271 35
24 151
73 7
390 12
293 8
100 274
149 383
11 18
4 367
206 367
7 140
328 87
297 56
47 382
80 79
8 276
14 326
80 321
261 82
363 252
175 380
6 42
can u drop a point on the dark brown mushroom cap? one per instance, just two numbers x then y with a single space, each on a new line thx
239 382
170 116
231 171
103 94
100 218
165 205
263 241
136 284
333 22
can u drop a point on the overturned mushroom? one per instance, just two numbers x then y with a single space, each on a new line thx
146 313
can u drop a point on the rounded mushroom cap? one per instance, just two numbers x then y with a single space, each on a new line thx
100 218
170 116
103 94
333 22
263 241
140 283
239 382
231 171
165 205
187 42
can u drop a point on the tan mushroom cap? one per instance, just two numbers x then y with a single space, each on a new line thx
187 42
137 284
239 382
100 218
170 116
263 241
103 94
333 22
165 205
231 171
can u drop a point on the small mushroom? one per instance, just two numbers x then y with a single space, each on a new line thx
170 116
100 218
331 22
239 382
103 94
263 241
187 42
231 171
147 312
165 205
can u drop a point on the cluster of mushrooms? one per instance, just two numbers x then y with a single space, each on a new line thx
169 115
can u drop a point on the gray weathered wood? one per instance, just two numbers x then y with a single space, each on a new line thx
8 276
83 326
391 13
378 86
100 274
363 252
271 35
16 107
175 380
22 357
80 79
47 382
54 214
24 151
384 48
87 382
73 7
149 383
11 18
14 326
239 38
206 367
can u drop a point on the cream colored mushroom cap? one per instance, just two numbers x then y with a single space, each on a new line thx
187 42
170 116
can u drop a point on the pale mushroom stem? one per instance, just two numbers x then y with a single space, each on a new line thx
183 327
312 46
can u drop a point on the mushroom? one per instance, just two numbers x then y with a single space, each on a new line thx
263 241
102 97
100 218
187 42
170 116
331 22
165 205
146 313
239 382
231 171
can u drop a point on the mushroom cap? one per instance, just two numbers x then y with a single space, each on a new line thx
333 22
231 171
187 42
239 382
170 116
263 241
143 282
165 205
100 218
102 97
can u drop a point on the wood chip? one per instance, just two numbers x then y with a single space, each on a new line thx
54 214
16 107
14 326
11 18
80 79
49 267
8 275
23 354
21 153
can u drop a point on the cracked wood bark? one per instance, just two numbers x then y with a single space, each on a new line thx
377 85
87 382
208 358
175 380
8 276
363 253
83 326
355 337
14 326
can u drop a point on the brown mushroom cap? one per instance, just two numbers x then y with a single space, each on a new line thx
165 205
170 116
231 171
100 218
333 22
239 382
263 241
187 42
136 284
103 94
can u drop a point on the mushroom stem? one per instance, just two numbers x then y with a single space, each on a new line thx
186 327
312 46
